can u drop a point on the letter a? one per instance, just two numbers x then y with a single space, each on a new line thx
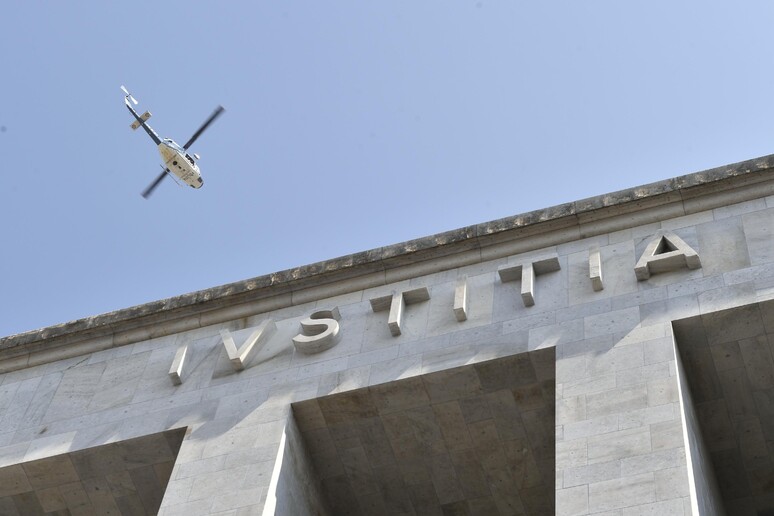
666 252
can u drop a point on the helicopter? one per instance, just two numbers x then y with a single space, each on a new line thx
177 161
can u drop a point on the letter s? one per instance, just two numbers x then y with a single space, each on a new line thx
320 331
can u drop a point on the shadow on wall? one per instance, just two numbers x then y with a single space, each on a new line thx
126 477
728 361
478 438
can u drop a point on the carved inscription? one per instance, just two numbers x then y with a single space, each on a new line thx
595 269
239 357
526 274
461 299
176 371
396 302
320 331
666 252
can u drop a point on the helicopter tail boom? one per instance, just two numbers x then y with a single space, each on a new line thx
145 117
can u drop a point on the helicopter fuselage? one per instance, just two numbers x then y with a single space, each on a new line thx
177 161
181 164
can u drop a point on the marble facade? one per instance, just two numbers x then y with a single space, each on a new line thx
608 356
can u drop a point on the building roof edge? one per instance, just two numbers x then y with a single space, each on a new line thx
380 259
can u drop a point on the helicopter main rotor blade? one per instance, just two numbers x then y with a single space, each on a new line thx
146 193
204 126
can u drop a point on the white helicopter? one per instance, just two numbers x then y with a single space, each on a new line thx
176 158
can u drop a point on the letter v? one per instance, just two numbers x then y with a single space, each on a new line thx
239 357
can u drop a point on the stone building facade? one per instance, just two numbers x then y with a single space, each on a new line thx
606 356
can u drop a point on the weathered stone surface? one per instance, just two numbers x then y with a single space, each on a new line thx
721 179
97 482
452 430
735 414
449 415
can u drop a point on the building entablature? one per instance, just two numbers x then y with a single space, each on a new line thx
510 236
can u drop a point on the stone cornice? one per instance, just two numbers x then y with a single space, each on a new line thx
601 214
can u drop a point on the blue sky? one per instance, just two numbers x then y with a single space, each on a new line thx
349 125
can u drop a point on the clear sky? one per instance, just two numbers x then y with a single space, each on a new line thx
350 125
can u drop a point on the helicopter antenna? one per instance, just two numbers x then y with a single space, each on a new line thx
128 95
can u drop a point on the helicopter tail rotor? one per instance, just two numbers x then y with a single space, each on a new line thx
128 95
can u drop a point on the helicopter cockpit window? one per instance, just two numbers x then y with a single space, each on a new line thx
171 143
189 158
